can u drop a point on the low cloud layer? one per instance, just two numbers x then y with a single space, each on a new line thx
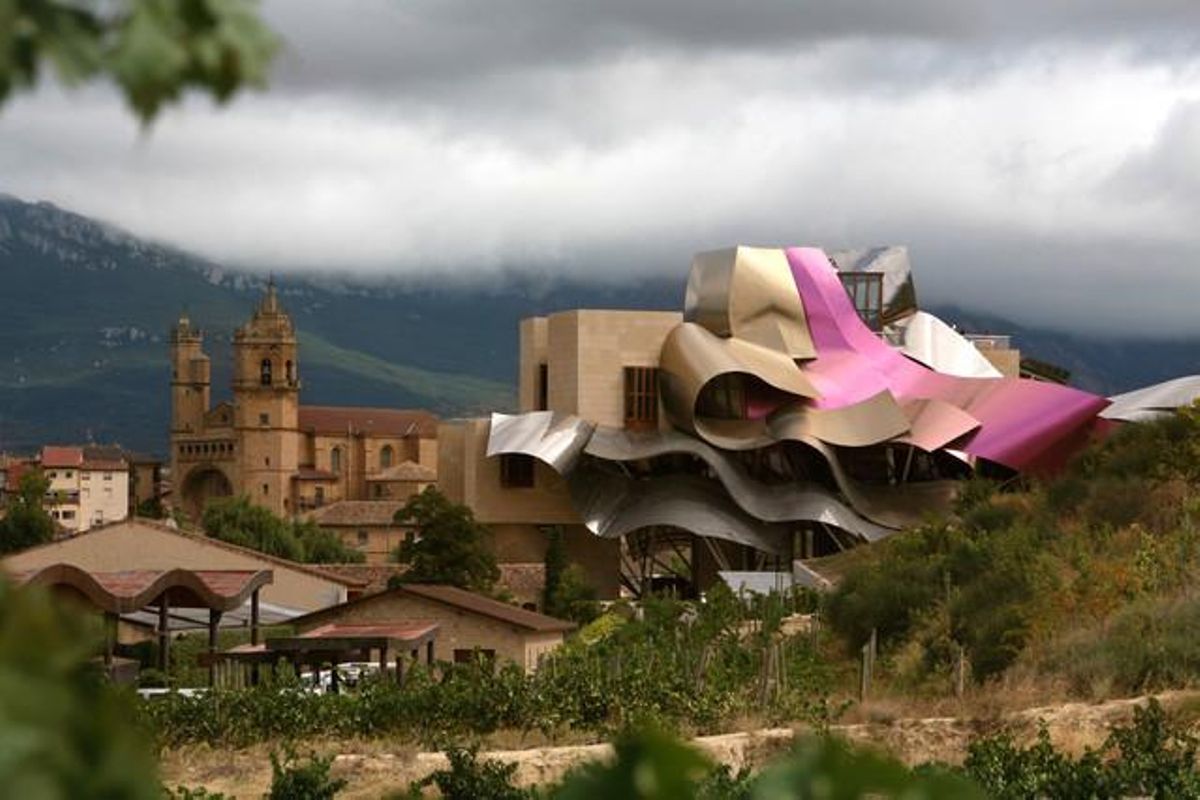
1040 163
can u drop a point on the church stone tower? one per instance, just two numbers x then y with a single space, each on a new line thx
191 378
266 401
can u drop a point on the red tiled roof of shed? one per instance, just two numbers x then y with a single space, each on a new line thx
469 602
53 456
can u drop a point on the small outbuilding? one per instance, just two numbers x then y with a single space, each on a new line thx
147 545
468 623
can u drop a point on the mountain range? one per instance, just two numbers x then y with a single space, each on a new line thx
85 311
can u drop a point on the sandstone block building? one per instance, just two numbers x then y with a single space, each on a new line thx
284 456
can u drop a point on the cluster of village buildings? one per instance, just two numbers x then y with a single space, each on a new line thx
350 470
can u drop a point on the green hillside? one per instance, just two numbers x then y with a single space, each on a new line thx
85 310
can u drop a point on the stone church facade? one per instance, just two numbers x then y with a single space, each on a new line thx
284 456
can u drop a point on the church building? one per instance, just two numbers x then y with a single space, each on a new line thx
284 456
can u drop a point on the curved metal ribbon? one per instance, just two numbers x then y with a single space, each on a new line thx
692 357
613 505
1023 423
1152 402
790 502
555 439
929 340
747 293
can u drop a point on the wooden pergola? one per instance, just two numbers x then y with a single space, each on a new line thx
336 644
129 591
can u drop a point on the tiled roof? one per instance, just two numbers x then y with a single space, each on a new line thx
53 456
405 471
87 457
477 603
132 590
408 630
311 569
108 457
13 472
340 420
357 512
452 596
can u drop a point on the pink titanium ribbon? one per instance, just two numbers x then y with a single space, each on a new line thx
1024 424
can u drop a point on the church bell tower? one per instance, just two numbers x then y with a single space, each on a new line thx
191 378
266 398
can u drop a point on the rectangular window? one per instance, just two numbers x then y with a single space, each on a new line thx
266 489
363 538
108 476
68 515
467 656
85 476
641 397
319 495
516 471
264 419
543 388
866 292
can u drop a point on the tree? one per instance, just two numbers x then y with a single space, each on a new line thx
575 598
566 594
26 522
64 730
556 563
152 49
238 521
450 546
324 547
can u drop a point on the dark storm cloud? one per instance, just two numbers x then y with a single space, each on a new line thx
1039 158
422 45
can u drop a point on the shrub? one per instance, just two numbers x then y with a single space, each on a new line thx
1152 757
469 779
292 780
1146 646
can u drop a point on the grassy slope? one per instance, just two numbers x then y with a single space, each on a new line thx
1082 585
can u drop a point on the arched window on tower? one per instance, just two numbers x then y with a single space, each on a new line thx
385 456
265 372
291 373
335 460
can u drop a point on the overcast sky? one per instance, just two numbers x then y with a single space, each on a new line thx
1041 158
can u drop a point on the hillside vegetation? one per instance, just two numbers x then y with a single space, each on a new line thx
1082 584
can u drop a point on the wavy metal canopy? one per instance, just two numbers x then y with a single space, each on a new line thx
796 501
612 505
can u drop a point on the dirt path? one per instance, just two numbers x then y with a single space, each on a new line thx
376 769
